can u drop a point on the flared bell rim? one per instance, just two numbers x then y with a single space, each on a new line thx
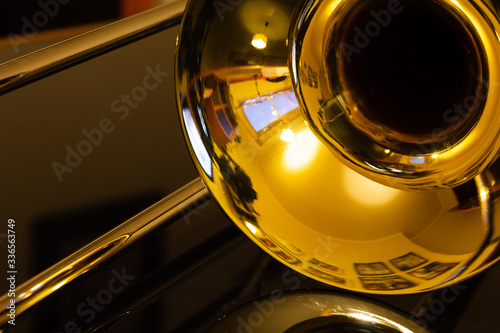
302 238
420 166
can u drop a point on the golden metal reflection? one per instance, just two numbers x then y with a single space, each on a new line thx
309 208
301 151
320 312
287 135
54 280
259 41
367 104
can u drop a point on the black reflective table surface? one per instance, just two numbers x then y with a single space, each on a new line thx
85 149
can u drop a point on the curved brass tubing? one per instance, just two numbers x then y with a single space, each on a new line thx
353 140
116 241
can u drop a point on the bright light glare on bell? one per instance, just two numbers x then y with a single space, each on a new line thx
365 191
371 318
197 144
302 150
342 165
250 227
483 194
287 135
366 317
259 41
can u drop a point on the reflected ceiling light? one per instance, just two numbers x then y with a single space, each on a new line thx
59 285
302 150
287 135
378 320
197 144
259 41
366 191
36 286
483 194
251 227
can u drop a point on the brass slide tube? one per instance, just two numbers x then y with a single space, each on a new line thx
36 65
104 248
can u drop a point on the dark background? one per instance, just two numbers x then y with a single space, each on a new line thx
74 12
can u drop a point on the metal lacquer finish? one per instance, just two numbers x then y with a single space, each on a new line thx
250 80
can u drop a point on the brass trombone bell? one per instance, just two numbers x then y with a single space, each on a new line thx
357 144
407 90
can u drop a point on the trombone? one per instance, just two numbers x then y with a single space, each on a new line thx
293 142
32 67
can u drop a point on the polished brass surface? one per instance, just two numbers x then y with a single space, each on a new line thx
316 312
411 108
287 152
